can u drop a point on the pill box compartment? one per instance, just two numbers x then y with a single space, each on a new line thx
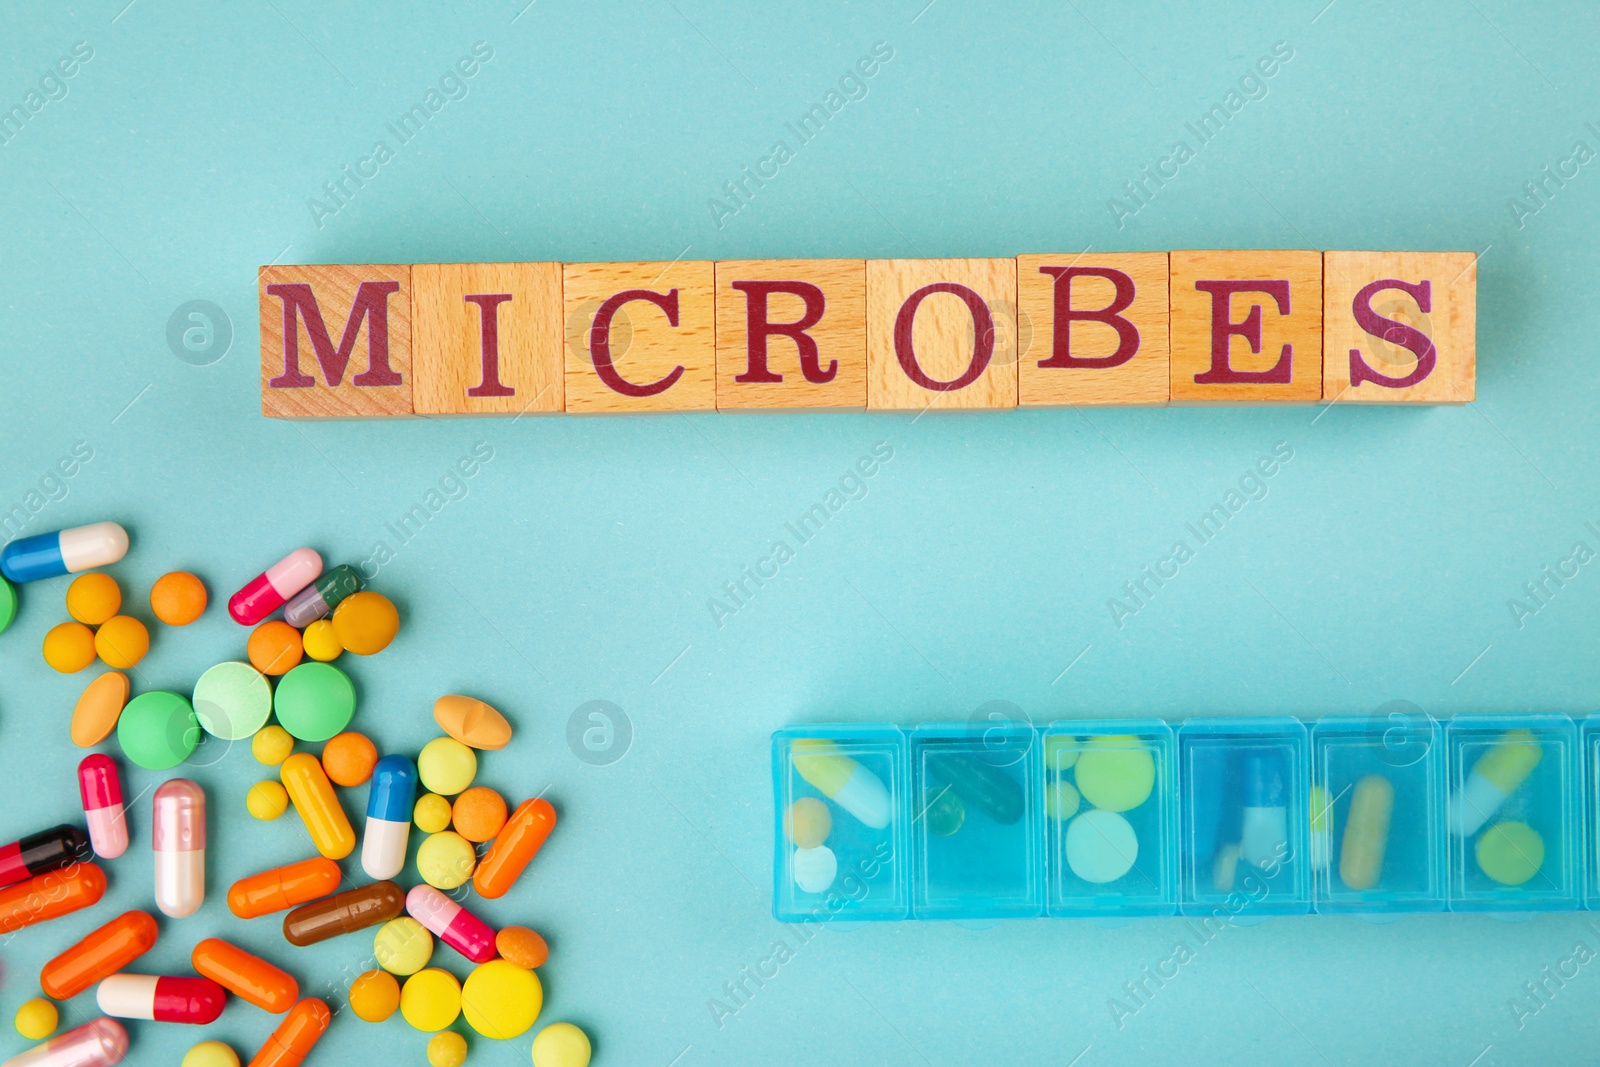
1514 813
1110 817
1243 818
977 848
849 782
1376 832
1591 812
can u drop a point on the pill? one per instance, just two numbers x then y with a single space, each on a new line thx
8 604
1264 826
161 998
93 598
180 847
446 766
245 975
48 850
268 591
432 813
472 722
121 642
1494 777
1061 800
1366 832
99 955
158 730
524 835
501 1000
69 647
431 1000
365 622
943 813
274 647
320 642
210 1054
349 759
1101 846
37 1019
980 784
98 1043
296 1036
447 1049
52 555
388 828
232 700
313 798
284 887
842 780
1060 753
807 823
1321 809
1115 773
446 860
1510 852
402 946
96 713
271 745
266 800
100 787
814 869
522 946
343 913
478 814
561 1045
451 923
374 996
314 701
178 598
321 596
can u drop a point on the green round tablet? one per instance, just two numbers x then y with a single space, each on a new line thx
1510 852
314 701
1115 773
232 701
158 730
8 604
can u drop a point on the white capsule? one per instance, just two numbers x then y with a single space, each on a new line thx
180 847
383 848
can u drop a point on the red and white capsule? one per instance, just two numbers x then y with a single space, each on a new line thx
268 591
180 845
451 923
100 786
161 999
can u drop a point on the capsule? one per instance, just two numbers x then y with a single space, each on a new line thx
101 954
51 555
319 809
321 596
246 976
282 888
344 913
296 1036
100 1043
50 896
519 841
1366 832
163 999
48 850
451 923
390 798
180 846
982 784
268 591
100 786
1264 838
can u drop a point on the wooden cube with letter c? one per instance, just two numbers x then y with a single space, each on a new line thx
941 333
1246 326
791 334
640 337
1098 329
486 338
1400 327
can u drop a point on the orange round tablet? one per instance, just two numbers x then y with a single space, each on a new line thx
521 946
478 814
178 598
275 647
348 759
93 598
122 642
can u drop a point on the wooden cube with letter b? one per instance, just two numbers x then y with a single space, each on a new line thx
486 338
1098 329
335 341
640 337
1246 326
791 334
941 333
1400 327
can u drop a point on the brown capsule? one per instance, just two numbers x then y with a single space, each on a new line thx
344 913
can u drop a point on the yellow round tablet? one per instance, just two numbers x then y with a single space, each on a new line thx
69 647
210 1054
121 642
374 995
93 598
365 622
446 860
320 641
402 946
431 813
446 766
1510 852
447 1049
1115 773
561 1045
1060 753
272 745
1060 800
501 1000
430 1000
267 800
37 1019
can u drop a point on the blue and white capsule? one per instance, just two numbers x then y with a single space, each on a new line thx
32 559
390 800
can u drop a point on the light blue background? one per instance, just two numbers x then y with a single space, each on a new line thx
978 566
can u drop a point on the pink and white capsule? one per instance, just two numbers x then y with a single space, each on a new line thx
180 844
268 591
101 788
451 923
100 1043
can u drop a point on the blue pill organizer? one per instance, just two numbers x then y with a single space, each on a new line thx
1219 818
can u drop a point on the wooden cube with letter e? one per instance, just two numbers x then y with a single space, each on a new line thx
1246 326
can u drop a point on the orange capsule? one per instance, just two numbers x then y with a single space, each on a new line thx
519 841
283 887
50 896
101 954
246 976
293 1040
344 913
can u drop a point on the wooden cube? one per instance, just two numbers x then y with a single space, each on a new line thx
1246 326
791 334
640 337
1097 329
941 333
486 338
335 341
1400 327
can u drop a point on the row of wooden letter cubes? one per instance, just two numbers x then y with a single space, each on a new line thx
384 341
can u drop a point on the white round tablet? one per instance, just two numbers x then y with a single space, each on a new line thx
1101 846
814 868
